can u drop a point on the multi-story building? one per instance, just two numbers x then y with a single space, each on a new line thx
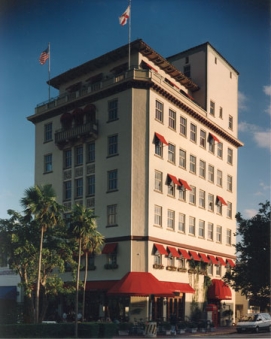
152 148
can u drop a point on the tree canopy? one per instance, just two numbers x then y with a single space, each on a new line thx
251 275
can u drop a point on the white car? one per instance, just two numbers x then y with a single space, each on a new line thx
254 322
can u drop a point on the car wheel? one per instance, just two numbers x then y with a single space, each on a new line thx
257 329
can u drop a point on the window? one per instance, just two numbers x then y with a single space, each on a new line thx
113 110
183 126
158 147
210 231
218 270
202 138
219 234
219 179
220 112
159 111
192 164
158 215
67 158
211 173
182 158
212 108
67 190
192 195
229 183
48 165
211 145
79 187
91 184
202 169
181 223
113 145
172 119
193 132
112 180
210 269
91 152
111 215
171 153
201 228
220 150
201 198
48 132
228 237
170 219
158 258
192 225
215 60
211 201
219 208
158 181
187 71
229 209
171 188
181 263
79 155
182 194
230 154
187 59
230 122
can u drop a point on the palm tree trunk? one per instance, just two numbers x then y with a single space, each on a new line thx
77 288
38 280
84 286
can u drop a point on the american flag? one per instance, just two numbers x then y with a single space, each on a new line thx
44 56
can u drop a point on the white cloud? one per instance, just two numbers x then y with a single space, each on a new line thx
250 213
242 101
260 136
267 91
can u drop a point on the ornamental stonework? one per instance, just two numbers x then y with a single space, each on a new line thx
90 202
91 169
67 175
79 172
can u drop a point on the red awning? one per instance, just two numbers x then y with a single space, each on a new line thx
221 200
173 252
161 138
161 249
214 137
139 284
174 179
219 290
109 248
195 256
204 258
230 262
100 285
221 261
185 184
213 260
178 287
184 254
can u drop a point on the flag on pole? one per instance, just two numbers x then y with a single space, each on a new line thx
44 56
125 16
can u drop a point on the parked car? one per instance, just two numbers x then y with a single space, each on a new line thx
254 322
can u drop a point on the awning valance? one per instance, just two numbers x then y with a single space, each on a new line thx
204 258
185 184
221 200
174 179
173 252
219 290
214 261
110 248
161 249
161 138
184 254
194 255
221 261
178 287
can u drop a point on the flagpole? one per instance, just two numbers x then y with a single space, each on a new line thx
49 70
129 38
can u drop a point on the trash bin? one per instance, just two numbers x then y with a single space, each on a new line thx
151 330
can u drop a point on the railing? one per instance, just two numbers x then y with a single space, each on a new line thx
75 132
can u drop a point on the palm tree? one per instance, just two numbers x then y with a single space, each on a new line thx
39 203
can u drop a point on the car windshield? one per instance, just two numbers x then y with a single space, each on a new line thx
249 317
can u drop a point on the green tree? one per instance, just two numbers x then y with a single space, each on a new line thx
251 275
39 203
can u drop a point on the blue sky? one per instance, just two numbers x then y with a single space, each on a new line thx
79 30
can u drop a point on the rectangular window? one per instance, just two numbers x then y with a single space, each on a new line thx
192 225
48 132
158 215
172 120
112 180
211 145
158 147
113 145
171 153
220 150
159 111
220 112
229 209
228 237
182 194
91 152
230 122
230 155
91 184
192 195
111 215
219 208
202 169
219 234
211 173
171 188
182 158
201 228
67 158
211 202
210 269
158 181
212 108
79 155
218 270
113 110
202 138
181 223
229 183
210 231
67 190
219 179
79 187
183 126
201 198
193 164
193 132
48 163
171 219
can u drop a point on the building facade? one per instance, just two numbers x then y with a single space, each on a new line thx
152 148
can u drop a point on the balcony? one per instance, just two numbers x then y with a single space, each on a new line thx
85 131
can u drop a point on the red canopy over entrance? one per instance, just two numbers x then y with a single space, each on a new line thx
219 290
175 287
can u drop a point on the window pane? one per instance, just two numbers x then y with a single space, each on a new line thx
48 132
192 164
91 185
91 152
113 145
182 158
48 166
112 215
158 181
170 219
171 153
113 110
183 124
159 111
158 215
172 119
67 158
79 155
192 222
181 224
112 180
193 133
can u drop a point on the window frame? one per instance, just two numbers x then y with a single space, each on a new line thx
68 158
159 111
111 211
212 108
171 219
79 188
183 126
211 173
158 180
202 169
193 132
210 231
219 178
193 164
91 151
112 180
158 216
181 222
192 226
112 142
48 163
91 184
48 132
79 155
201 232
203 138
112 110
202 198
192 195
172 119
171 153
